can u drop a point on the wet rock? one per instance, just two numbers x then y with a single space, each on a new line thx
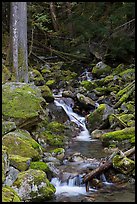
76 157
5 162
19 162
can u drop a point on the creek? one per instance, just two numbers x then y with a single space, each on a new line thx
69 186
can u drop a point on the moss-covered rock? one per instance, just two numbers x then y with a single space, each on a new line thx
19 146
58 153
32 185
53 139
121 120
123 164
99 117
50 83
118 69
128 75
9 195
36 77
119 135
85 101
39 165
19 162
21 103
47 93
56 128
101 69
7 126
89 85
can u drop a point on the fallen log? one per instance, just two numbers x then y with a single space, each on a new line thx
104 166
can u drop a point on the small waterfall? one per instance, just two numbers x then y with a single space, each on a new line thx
74 117
71 187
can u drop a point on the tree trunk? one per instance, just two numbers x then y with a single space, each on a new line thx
18 34
53 16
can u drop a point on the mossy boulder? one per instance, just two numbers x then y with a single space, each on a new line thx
119 135
47 93
39 165
123 164
101 69
89 85
5 162
22 104
7 126
32 186
58 153
36 77
56 128
19 162
19 146
85 101
99 117
10 195
25 135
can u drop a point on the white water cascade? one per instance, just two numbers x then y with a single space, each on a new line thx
74 117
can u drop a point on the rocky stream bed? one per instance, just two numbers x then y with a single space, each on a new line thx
62 126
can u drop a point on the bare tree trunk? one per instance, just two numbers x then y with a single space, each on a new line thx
68 11
18 34
53 16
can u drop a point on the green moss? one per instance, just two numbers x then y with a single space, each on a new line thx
19 146
125 165
56 128
99 70
88 85
36 77
54 139
45 71
58 151
119 135
128 74
45 189
50 82
47 93
6 74
19 162
39 166
20 102
118 69
7 126
9 195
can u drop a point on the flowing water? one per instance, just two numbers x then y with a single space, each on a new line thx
72 189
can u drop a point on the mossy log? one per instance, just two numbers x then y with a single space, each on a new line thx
120 121
126 93
105 166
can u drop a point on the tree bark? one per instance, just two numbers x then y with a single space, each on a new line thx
53 16
18 32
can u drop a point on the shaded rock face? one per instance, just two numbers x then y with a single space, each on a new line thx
33 185
101 69
98 119
22 104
